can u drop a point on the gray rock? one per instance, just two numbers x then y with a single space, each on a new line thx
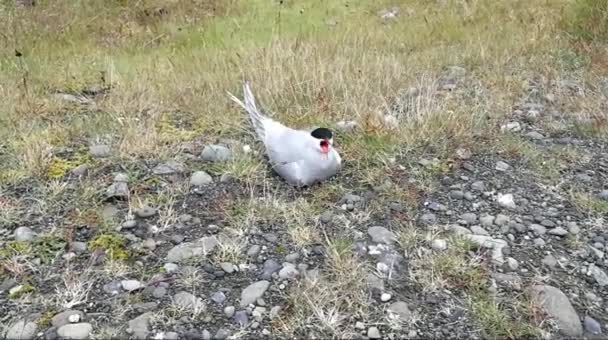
399 310
326 217
381 235
374 333
254 250
189 301
477 230
270 266
112 288
506 201
584 178
478 186
24 234
80 170
486 221
547 223
512 264
170 267
64 318
159 292
603 195
206 335
169 168
100 151
22 330
457 194
227 267
218 297
537 229
292 258
241 318
573 228
469 218
428 219
374 282
253 292
221 334
75 331
539 242
598 274
229 311
549 261
139 327
200 178
288 272
346 126
274 312
509 280
184 251
502 220
131 285
559 231
502 166
458 230
216 153
557 306
439 244
170 336
592 326
79 247
535 135
270 237
511 127
145 212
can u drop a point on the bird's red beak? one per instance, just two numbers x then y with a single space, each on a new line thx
325 148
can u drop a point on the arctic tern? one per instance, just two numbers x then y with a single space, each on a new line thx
300 157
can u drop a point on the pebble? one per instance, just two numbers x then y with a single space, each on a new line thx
292 258
381 235
227 267
216 153
75 331
200 178
457 194
506 201
169 168
592 326
222 334
139 327
187 300
373 333
218 297
24 234
556 305
502 166
184 251
326 217
159 292
537 229
254 250
253 292
512 264
487 220
428 219
270 237
288 272
535 135
549 261
205 335
469 218
559 231
100 151
477 230
502 220
145 212
112 288
603 195
478 186
511 127
573 228
601 278
270 266
400 310
66 317
539 242
170 267
79 247
229 311
22 330
439 244
131 285
385 297
241 318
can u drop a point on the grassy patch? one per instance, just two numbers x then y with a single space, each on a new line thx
113 245
588 20
589 203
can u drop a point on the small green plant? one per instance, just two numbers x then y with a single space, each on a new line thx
47 247
15 248
20 290
113 244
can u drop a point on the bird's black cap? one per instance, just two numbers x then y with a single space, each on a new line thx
321 133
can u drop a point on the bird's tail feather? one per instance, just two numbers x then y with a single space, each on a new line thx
257 119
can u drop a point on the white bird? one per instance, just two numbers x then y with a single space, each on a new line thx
300 157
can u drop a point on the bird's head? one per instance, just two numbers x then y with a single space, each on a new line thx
323 139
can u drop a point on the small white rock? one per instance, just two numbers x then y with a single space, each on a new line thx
131 285
439 244
385 297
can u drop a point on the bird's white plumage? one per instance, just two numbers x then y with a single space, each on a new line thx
293 154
